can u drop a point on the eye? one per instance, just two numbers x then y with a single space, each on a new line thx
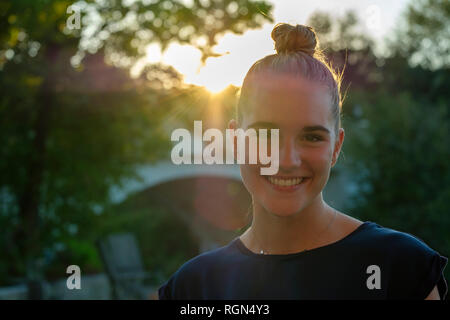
313 138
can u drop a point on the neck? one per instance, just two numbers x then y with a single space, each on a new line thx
283 235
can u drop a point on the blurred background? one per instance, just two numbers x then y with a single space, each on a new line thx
90 92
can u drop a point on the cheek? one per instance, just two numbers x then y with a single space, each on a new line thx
319 158
250 176
250 171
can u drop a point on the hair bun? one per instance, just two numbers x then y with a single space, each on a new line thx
289 38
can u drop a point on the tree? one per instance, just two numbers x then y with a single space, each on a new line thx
424 33
396 118
399 155
396 146
55 127
347 48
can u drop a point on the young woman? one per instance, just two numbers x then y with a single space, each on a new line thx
298 247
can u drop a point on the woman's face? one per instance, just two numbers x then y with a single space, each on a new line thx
308 147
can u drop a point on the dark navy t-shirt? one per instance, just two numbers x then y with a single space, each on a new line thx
372 262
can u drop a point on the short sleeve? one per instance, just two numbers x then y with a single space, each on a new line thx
416 268
434 277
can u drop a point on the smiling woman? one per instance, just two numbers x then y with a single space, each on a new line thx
298 247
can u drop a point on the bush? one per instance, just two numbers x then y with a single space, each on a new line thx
398 150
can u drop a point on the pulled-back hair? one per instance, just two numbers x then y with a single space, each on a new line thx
298 56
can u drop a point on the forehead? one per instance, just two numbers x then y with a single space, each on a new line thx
288 101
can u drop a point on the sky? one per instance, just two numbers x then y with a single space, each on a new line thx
379 17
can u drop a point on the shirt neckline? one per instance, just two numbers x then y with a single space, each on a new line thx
240 245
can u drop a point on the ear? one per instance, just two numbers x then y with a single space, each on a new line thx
337 146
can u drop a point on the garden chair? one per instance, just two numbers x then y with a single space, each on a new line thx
122 260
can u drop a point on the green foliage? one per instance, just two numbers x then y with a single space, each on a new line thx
128 29
396 119
69 135
339 33
424 33
158 231
124 29
399 157
74 250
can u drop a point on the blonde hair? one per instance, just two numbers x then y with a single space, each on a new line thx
298 55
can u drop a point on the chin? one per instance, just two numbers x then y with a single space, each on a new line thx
283 210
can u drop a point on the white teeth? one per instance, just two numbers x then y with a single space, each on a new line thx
285 182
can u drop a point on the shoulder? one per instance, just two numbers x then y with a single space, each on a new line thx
187 280
398 246
414 268
368 234
372 236
401 243
198 265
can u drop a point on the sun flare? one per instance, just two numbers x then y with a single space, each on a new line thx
238 53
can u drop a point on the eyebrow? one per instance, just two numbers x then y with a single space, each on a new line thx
263 124
316 128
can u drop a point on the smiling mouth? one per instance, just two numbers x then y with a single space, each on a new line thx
285 182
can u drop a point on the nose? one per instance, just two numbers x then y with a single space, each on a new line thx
290 158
